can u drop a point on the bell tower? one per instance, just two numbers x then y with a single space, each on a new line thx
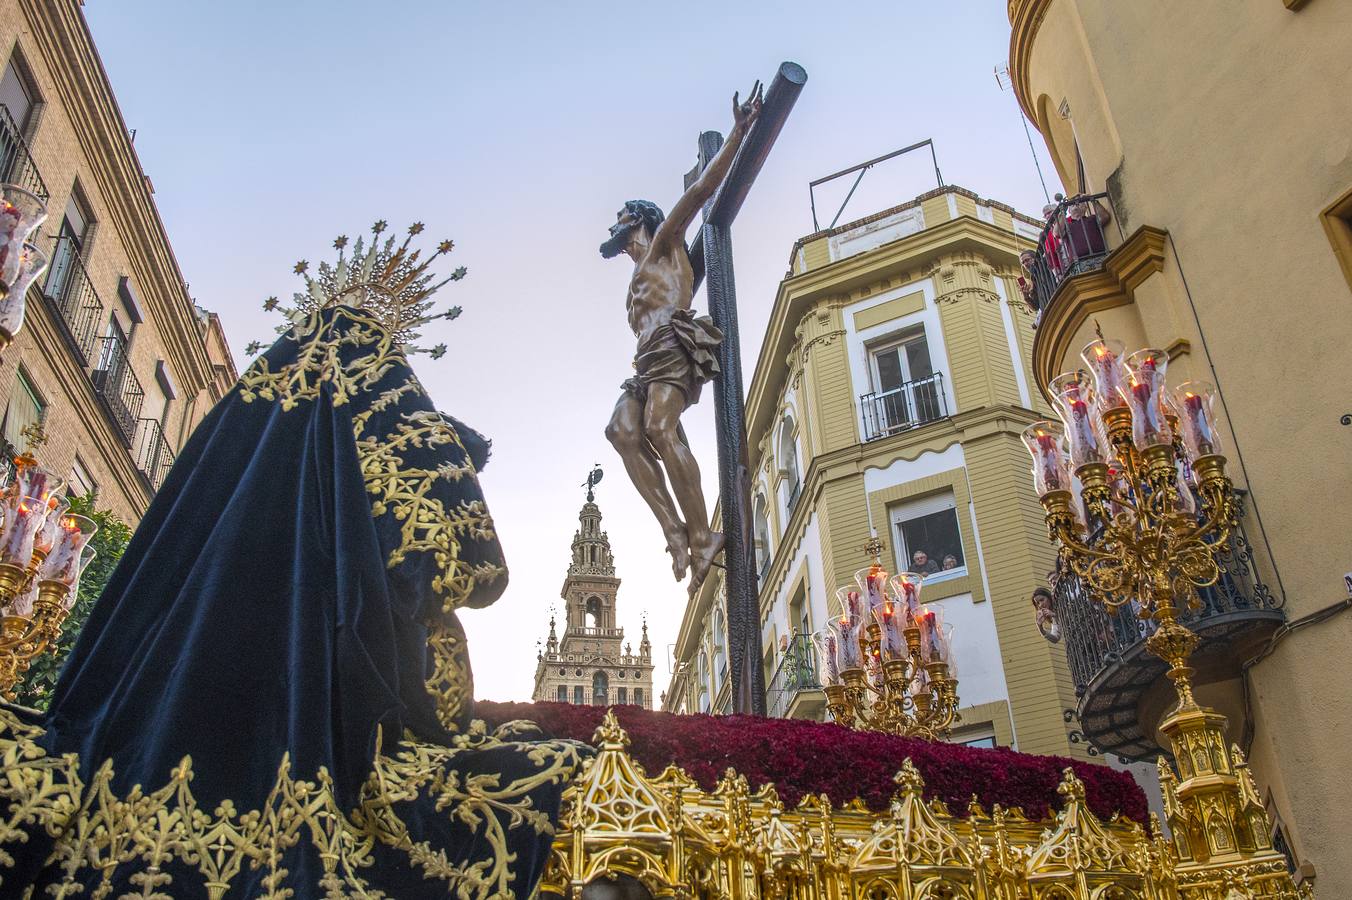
591 664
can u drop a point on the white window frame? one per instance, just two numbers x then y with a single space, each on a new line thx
895 341
915 509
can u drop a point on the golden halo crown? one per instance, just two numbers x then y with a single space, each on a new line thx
388 280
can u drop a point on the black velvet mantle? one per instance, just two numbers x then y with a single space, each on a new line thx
284 619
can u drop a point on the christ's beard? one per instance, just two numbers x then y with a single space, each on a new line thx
618 243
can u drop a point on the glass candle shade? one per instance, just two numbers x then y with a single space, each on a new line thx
38 482
21 212
23 517
1104 359
906 596
933 638
872 583
1195 404
66 560
846 628
891 619
32 262
1144 393
45 538
73 594
826 642
1074 397
1051 468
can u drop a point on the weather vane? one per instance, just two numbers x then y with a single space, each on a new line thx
593 479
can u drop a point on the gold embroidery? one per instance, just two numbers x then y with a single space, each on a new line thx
96 831
397 489
450 683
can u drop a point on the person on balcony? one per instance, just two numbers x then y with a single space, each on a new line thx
1044 615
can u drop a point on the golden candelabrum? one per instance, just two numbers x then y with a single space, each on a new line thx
43 550
21 212
1151 517
893 674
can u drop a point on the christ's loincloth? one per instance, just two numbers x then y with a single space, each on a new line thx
679 353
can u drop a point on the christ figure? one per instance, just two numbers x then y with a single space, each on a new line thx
675 357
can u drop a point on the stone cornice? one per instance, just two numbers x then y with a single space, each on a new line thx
1079 297
68 49
1025 17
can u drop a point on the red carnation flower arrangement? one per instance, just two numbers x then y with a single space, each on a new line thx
800 758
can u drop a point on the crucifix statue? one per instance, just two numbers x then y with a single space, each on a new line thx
678 352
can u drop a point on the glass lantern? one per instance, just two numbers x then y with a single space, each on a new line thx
1074 397
21 212
1104 359
1195 404
1144 393
1051 467
67 560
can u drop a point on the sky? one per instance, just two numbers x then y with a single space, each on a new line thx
517 130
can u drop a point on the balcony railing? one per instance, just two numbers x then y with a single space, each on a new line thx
589 631
797 672
1108 660
154 455
16 163
1072 241
909 406
118 387
69 289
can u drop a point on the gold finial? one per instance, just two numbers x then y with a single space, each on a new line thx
873 549
609 735
34 437
909 778
1071 787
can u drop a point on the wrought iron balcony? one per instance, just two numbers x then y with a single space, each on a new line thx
69 290
909 406
154 455
16 163
1112 670
1072 241
797 674
118 387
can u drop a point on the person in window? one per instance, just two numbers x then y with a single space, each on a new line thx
1045 616
922 564
950 562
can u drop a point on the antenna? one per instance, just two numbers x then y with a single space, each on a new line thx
861 168
1006 82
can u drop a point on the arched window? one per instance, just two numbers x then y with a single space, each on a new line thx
563 693
600 689
720 648
788 464
579 694
621 695
638 696
593 613
761 527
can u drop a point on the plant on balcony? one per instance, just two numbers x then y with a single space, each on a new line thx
801 757
110 541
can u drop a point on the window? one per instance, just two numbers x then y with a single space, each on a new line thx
579 695
799 622
761 526
788 464
638 696
905 391
25 408
563 693
71 239
622 695
80 484
928 540
17 97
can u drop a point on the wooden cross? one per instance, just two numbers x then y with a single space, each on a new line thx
711 254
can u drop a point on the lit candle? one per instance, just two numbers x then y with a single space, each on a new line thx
1050 469
826 652
1104 359
892 643
1074 398
1145 395
23 517
1196 419
67 558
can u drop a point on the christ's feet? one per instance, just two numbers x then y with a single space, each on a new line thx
678 547
703 552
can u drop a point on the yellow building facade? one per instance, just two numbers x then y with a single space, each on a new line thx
114 357
893 383
1219 138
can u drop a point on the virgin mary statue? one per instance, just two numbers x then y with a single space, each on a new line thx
272 698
